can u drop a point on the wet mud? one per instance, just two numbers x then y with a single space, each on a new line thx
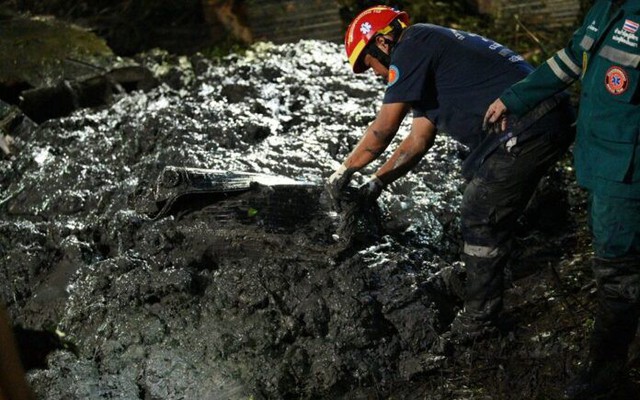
265 292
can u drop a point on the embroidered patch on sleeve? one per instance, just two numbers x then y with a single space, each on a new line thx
394 75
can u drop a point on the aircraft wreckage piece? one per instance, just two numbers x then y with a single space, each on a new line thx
275 204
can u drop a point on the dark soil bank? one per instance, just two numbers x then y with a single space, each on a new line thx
266 293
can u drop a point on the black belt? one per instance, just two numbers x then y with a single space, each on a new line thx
517 128
521 124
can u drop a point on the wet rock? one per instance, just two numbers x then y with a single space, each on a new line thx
48 102
51 68
42 51
236 93
13 123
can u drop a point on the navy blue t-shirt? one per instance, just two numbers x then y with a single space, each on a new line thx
451 77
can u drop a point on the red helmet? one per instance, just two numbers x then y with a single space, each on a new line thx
364 27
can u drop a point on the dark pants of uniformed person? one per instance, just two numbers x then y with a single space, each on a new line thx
615 226
493 200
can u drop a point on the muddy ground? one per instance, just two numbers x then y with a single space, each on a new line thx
267 293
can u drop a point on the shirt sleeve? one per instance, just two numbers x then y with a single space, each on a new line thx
430 113
409 73
553 76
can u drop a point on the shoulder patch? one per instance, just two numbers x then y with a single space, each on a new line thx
394 75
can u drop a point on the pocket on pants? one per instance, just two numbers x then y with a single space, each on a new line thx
615 224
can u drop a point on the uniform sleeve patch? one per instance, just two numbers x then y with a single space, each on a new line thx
394 75
616 80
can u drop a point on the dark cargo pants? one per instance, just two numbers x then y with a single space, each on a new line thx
495 197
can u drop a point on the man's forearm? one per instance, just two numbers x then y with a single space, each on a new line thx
406 156
371 146
377 136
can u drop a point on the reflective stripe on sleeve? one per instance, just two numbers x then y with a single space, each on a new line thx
586 42
558 71
564 57
620 57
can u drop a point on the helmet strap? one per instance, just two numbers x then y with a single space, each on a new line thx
380 55
394 29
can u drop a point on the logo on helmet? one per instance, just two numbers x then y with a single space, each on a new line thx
365 28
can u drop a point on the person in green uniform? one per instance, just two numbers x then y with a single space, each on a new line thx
604 54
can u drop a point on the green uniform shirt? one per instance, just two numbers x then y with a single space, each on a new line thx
605 54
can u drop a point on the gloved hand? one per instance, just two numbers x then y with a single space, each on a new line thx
371 190
336 184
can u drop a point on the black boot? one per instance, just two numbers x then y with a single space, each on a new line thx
483 299
614 330
605 368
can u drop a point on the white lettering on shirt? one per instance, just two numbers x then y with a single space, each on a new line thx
628 38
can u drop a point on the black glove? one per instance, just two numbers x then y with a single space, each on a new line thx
371 190
337 183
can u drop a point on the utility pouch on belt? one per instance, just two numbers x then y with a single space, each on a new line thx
517 128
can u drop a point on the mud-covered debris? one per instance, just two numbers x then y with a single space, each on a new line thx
190 186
